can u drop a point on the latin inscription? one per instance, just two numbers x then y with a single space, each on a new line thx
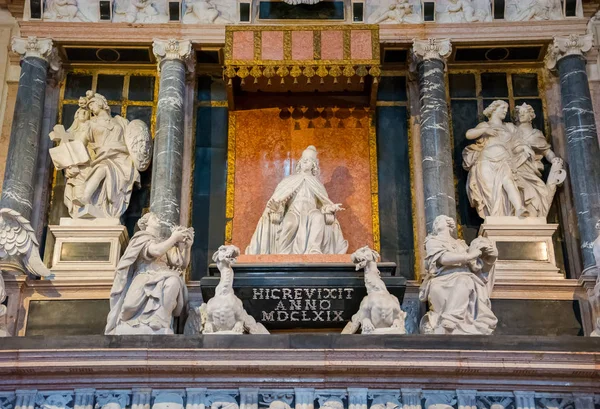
303 304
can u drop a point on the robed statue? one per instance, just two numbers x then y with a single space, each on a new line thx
457 283
149 287
102 156
505 165
299 217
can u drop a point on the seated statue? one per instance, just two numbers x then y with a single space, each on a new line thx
460 11
149 287
533 10
379 311
102 157
300 217
456 283
398 11
138 11
203 12
66 10
224 313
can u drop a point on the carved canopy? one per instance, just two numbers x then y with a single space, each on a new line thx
312 52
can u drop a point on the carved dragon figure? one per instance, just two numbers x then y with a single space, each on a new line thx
224 313
379 311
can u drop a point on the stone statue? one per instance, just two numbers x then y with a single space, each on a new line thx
149 287
491 184
461 11
203 12
67 10
54 401
379 311
526 10
102 157
456 283
398 11
505 166
224 313
138 11
537 195
300 217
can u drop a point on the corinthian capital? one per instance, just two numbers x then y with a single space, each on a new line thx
37 47
562 46
173 49
432 49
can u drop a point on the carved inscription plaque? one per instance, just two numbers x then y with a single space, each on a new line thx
297 297
90 251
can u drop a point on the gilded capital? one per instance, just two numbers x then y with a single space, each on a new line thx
431 49
173 49
563 46
36 47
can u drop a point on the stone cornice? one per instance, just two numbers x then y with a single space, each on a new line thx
123 33
556 364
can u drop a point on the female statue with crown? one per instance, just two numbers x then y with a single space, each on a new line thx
300 217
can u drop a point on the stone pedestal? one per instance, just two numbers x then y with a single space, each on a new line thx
87 249
525 248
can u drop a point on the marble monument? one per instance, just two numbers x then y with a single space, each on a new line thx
70 10
299 217
379 311
204 12
149 286
457 283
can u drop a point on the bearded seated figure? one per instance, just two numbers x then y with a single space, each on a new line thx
149 287
300 217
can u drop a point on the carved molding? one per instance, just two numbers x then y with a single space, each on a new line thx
429 49
173 49
563 46
37 47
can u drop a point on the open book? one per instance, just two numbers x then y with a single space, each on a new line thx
70 153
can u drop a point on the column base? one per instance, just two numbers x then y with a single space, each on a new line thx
525 248
87 249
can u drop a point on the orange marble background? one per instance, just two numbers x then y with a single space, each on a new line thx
266 150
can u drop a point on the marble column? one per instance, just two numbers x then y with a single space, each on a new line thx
566 54
436 150
37 55
174 57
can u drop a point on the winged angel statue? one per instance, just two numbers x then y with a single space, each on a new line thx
102 156
17 239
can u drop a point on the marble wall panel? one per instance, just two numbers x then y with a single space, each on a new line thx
209 190
267 148
395 208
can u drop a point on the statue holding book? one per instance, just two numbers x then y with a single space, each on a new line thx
102 157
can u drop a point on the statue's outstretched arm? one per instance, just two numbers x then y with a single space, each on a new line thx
157 250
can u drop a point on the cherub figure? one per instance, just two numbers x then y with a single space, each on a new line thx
379 311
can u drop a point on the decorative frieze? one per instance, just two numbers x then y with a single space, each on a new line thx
298 398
